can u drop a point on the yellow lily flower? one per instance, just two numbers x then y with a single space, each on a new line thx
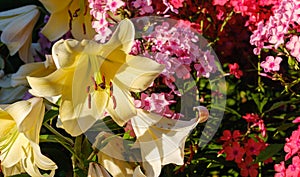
37 69
16 26
161 140
68 15
19 138
112 155
92 77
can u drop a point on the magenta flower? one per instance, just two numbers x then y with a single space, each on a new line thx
271 64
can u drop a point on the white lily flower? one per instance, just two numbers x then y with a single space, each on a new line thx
93 77
19 138
161 140
16 26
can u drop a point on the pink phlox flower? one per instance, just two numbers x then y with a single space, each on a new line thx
280 169
234 69
144 6
144 102
271 64
234 152
292 144
113 5
293 170
294 46
158 102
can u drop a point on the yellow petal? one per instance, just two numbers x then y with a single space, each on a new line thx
121 106
50 85
28 116
82 23
57 25
55 5
161 140
122 38
76 115
138 73
111 156
38 69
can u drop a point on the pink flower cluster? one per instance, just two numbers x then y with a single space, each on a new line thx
292 148
158 103
242 150
177 48
274 33
100 10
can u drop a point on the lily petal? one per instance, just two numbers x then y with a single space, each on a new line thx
161 140
55 5
57 25
18 33
50 85
38 69
138 73
121 39
138 172
111 156
121 106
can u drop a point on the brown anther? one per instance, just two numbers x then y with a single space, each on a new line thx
111 89
89 101
114 101
102 85
71 18
83 28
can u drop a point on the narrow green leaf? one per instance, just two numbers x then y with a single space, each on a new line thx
271 150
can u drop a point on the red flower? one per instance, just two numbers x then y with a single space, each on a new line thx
234 152
234 69
247 168
253 148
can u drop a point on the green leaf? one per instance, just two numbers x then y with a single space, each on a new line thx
271 150
282 103
259 100
50 115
